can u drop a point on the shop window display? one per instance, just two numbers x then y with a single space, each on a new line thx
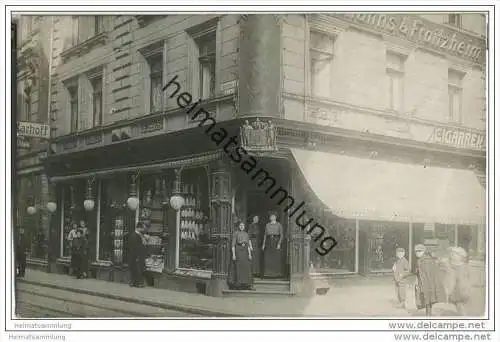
114 217
342 258
73 212
195 249
153 190
383 239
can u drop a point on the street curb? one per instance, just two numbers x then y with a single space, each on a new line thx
186 309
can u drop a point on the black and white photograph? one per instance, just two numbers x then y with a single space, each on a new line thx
223 167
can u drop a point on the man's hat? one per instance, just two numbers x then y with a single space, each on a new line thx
420 248
400 249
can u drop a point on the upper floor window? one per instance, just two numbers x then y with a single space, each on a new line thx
156 82
97 105
455 95
206 45
85 27
98 24
72 89
455 19
395 71
321 52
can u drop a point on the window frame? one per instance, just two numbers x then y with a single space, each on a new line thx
97 79
206 59
322 52
393 71
155 75
455 88
72 89
455 19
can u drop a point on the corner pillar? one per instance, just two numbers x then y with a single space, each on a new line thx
260 81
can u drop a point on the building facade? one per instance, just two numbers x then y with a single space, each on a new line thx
31 188
371 125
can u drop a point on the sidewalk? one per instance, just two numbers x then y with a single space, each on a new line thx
341 301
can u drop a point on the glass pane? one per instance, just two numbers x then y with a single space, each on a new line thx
207 80
383 239
342 257
195 250
152 214
320 78
156 93
113 225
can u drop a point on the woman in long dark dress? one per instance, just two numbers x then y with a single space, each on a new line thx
242 256
271 245
430 289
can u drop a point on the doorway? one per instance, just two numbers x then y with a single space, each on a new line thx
259 204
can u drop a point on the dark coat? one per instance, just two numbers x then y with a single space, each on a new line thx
137 251
430 287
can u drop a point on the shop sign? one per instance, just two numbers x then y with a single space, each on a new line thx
420 31
228 88
152 126
33 129
457 138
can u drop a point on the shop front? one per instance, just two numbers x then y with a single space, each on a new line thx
374 206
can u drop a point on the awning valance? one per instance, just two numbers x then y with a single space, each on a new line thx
381 190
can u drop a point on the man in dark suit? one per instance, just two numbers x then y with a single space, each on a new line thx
137 256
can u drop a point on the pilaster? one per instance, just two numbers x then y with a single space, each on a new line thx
220 204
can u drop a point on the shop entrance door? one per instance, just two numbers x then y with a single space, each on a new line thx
259 204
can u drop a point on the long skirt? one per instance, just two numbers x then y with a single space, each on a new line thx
272 257
256 255
242 270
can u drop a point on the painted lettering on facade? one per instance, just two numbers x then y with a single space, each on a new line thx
421 31
457 138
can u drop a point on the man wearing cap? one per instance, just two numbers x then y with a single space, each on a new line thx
429 290
401 270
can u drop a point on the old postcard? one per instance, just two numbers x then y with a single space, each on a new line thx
295 164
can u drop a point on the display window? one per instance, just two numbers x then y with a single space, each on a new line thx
152 211
195 248
116 221
383 237
342 258
35 239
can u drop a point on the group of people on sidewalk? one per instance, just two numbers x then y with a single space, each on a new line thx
438 280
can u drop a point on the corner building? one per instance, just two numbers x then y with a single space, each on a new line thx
376 122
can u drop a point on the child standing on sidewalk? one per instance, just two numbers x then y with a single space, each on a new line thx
401 270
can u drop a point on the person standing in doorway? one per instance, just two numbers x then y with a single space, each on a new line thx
85 254
271 245
429 289
137 256
241 248
72 235
256 239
